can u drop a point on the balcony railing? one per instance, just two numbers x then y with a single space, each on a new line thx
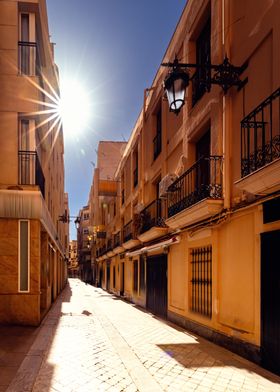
30 171
27 58
152 216
157 144
260 135
128 231
117 239
202 180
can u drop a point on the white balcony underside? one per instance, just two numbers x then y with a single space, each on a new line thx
263 181
110 253
118 250
153 233
21 204
197 212
131 244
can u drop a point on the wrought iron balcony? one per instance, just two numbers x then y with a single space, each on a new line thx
260 135
128 231
157 144
202 180
30 171
117 239
152 216
27 58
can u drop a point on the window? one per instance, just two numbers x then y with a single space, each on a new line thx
203 56
142 274
27 154
27 45
85 231
24 255
201 280
29 167
114 276
86 216
157 138
202 179
271 210
135 165
122 189
135 276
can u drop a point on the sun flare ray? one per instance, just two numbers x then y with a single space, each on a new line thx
70 110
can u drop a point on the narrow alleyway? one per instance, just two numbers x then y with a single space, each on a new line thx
97 342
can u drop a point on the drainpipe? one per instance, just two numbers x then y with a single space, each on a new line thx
146 94
226 126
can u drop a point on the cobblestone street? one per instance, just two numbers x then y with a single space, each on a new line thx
93 341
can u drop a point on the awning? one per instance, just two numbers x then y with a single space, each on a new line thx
23 204
158 246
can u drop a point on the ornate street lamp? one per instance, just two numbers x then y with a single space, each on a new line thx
77 222
175 86
225 75
65 218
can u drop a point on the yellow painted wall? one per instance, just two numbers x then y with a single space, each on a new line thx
238 265
178 277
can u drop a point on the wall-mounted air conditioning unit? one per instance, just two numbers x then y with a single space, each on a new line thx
165 183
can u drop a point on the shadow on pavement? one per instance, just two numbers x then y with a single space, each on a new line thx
22 349
15 342
194 356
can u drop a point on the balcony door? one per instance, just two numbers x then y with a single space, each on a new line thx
27 44
203 166
27 154
270 308
156 290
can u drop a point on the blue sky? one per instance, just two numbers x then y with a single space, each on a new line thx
114 47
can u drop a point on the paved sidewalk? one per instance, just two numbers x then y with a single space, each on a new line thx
97 342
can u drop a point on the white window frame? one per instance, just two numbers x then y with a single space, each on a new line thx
28 255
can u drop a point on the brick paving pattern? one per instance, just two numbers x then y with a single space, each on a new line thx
101 343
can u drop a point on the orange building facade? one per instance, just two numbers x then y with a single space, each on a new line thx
196 220
34 242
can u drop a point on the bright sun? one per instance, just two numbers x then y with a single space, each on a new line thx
74 107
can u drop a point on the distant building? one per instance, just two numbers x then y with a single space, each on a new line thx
73 265
33 243
103 206
192 233
84 245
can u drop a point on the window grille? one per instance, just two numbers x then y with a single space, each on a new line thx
201 280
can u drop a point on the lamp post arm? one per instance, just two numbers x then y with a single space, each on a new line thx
224 65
